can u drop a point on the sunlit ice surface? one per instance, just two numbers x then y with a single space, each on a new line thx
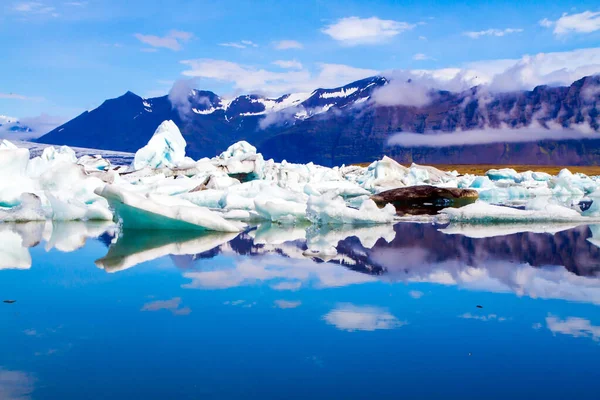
411 310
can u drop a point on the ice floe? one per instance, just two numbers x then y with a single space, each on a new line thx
164 189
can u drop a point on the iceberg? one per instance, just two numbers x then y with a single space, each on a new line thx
161 212
483 213
329 210
166 148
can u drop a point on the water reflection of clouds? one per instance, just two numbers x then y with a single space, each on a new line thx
17 238
284 304
413 265
15 385
349 317
173 305
573 326
279 273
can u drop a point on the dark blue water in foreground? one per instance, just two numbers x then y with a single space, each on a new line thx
257 315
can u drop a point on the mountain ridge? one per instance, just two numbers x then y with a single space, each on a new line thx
348 124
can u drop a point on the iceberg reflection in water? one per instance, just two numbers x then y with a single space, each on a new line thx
188 312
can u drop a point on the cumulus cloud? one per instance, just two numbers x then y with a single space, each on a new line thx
348 317
355 31
584 22
251 79
173 305
173 40
239 45
492 32
531 133
573 326
288 44
288 64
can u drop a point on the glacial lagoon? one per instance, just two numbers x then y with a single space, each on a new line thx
405 311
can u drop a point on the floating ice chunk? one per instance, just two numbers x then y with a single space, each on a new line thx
541 176
381 175
504 173
29 209
166 148
280 210
328 210
139 212
71 209
239 149
94 163
481 182
13 162
5 144
482 213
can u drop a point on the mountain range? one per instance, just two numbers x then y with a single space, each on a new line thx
351 124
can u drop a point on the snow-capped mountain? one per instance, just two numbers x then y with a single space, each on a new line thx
10 124
346 124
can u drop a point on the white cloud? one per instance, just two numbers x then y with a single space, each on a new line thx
173 40
355 31
76 3
531 133
585 22
34 7
252 79
288 64
413 87
416 294
422 38
239 45
492 32
348 317
148 50
422 57
576 327
288 44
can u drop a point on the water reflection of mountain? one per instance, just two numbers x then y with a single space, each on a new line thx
416 245
419 244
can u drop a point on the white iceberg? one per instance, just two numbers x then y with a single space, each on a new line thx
166 148
328 210
161 212
483 213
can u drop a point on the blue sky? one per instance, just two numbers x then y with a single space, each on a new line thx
63 57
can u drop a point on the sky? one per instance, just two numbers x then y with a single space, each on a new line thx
60 58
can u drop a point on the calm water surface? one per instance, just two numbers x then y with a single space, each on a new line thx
411 311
